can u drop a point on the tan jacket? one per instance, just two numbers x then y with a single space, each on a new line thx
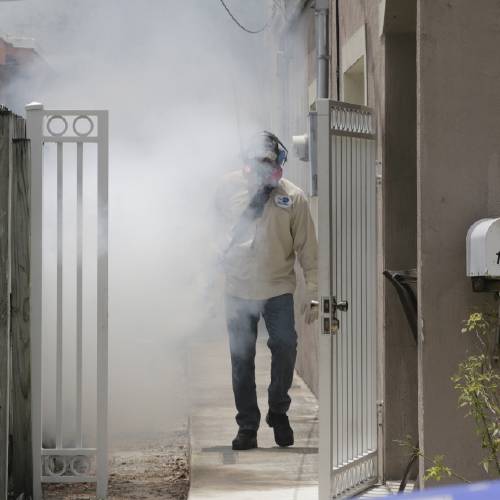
260 263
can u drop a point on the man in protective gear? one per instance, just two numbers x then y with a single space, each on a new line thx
268 225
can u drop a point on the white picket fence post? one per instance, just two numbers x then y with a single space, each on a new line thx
77 463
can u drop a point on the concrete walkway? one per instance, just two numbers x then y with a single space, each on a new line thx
266 473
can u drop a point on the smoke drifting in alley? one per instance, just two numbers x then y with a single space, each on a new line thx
183 85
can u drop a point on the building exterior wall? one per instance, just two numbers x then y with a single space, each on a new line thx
400 247
302 95
458 105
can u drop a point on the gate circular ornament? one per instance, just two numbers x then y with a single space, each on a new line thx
56 465
50 125
90 126
80 465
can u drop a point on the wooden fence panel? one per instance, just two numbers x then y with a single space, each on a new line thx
5 156
22 474
15 362
18 127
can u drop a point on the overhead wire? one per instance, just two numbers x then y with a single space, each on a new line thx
244 28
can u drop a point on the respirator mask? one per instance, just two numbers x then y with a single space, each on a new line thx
264 159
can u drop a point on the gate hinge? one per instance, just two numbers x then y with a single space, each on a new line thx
380 413
378 171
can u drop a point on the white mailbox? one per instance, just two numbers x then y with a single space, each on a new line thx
483 249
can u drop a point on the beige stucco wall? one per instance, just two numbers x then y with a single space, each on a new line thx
400 246
299 49
298 93
458 105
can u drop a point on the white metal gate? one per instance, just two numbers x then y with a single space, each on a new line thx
343 152
69 460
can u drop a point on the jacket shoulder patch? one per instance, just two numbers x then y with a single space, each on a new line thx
283 201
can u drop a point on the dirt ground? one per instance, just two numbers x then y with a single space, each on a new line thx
141 467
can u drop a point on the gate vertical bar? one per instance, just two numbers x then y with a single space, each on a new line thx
343 326
334 354
34 125
359 170
369 284
346 333
338 282
79 294
354 301
59 354
102 307
323 158
373 286
359 219
363 299
368 297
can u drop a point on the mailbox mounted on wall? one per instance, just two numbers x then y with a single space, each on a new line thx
483 255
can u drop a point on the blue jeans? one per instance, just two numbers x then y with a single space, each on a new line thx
242 319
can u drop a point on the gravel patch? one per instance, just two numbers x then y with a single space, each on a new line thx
153 466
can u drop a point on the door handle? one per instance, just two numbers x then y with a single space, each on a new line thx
341 305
